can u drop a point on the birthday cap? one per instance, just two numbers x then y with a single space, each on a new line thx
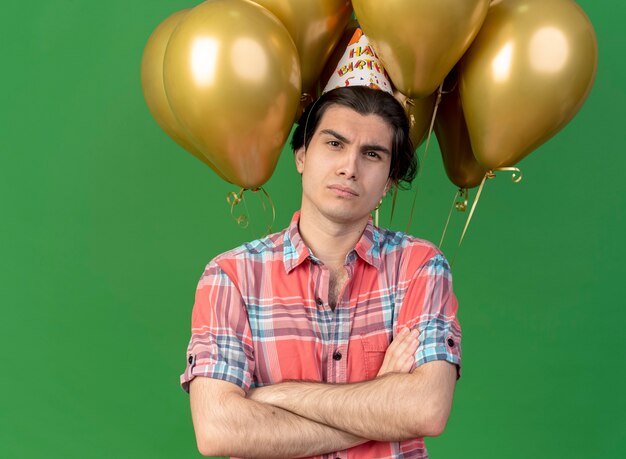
359 66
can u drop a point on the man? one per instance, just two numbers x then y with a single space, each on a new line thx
332 337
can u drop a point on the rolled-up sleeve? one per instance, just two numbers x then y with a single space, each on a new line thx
220 346
429 304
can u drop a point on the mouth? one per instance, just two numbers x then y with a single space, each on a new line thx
343 191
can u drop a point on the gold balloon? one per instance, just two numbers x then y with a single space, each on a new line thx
337 53
315 26
154 90
456 151
525 76
232 78
419 41
420 114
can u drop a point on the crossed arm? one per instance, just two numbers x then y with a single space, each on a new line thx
229 424
296 419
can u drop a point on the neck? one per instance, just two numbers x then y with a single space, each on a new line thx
330 241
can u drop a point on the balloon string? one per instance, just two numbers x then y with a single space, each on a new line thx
233 199
271 202
419 173
461 206
393 203
445 228
516 177
488 175
243 221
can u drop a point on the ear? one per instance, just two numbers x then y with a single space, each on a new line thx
389 185
300 156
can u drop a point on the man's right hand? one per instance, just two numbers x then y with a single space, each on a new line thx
400 355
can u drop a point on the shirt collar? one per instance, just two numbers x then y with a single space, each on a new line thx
295 250
367 248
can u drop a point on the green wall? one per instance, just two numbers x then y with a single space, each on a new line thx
107 224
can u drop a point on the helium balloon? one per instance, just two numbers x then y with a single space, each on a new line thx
154 90
232 78
456 151
419 41
420 113
335 56
315 27
526 75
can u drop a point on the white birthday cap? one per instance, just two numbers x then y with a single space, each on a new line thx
359 66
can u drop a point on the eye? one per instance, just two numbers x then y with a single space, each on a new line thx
372 154
334 144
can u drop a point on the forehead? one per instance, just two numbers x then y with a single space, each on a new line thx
352 124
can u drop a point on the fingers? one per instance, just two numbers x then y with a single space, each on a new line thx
400 355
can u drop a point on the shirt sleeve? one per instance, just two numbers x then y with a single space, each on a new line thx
221 343
429 304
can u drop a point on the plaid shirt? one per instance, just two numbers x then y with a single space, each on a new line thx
262 316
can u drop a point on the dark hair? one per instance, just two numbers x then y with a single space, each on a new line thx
365 101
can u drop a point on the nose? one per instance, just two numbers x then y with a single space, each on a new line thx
349 164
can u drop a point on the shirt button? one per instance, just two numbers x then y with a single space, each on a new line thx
336 355
450 342
319 301
190 359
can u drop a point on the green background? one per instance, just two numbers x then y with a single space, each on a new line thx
107 225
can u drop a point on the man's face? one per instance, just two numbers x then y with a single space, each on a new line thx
345 169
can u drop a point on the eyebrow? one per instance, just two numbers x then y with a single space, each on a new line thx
368 147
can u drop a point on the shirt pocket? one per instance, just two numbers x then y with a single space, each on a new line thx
374 347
